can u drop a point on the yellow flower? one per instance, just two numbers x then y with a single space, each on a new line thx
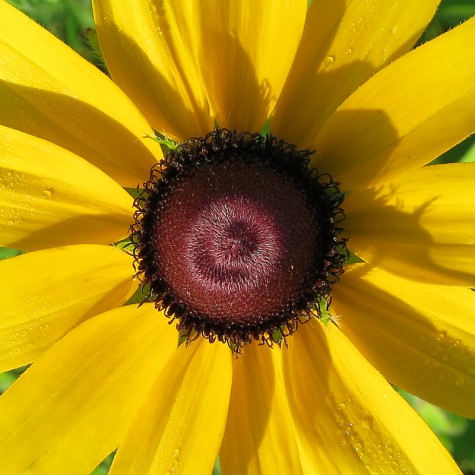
337 78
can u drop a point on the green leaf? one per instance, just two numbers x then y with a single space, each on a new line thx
6 252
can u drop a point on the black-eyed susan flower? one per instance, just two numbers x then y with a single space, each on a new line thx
237 237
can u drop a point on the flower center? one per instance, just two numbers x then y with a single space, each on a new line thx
237 239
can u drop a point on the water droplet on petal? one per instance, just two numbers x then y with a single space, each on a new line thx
47 193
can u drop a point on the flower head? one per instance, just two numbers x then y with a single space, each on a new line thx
237 236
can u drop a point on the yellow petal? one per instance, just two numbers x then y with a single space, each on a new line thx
420 336
348 417
74 405
244 50
421 227
344 43
404 116
49 91
179 426
148 51
46 293
51 197
255 440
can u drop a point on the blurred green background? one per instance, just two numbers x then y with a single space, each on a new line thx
71 20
